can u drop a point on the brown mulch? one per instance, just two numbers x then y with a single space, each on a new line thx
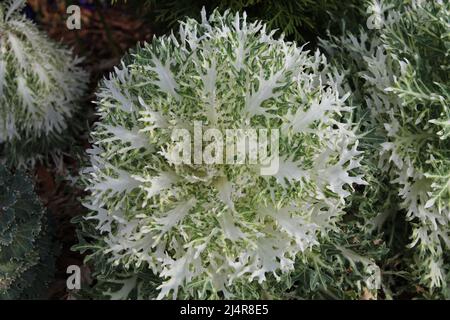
106 34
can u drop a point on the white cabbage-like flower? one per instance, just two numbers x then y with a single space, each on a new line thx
401 72
200 224
40 86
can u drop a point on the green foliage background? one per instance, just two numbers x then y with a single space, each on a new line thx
300 20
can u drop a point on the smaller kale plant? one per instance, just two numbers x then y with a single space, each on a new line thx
165 229
399 72
26 248
40 88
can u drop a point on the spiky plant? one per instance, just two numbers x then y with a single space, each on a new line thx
26 248
400 74
40 88
218 229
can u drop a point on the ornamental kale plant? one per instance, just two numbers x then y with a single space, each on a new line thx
26 249
206 229
40 86
400 75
